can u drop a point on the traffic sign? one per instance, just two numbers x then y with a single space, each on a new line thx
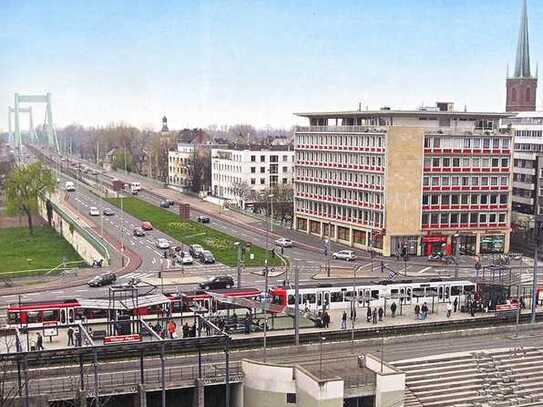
122 338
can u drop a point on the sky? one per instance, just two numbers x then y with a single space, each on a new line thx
255 62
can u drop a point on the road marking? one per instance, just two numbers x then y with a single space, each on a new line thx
153 261
425 269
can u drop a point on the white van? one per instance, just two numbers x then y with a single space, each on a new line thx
69 186
135 187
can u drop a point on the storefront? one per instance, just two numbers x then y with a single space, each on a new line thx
467 244
409 242
435 244
492 244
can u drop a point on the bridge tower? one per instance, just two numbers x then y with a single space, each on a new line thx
31 130
51 132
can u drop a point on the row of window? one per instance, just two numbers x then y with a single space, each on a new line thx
340 175
464 199
263 181
374 160
465 162
529 179
455 219
465 181
354 215
519 163
355 140
341 193
467 142
528 147
273 169
529 133
273 158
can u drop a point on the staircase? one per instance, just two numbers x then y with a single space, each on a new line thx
508 377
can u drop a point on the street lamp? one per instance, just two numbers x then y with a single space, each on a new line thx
238 245
353 307
456 240
265 308
322 339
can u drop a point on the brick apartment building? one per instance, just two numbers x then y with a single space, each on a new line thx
430 180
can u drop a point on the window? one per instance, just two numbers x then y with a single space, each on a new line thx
486 143
435 162
253 158
262 170
285 180
445 181
467 143
445 199
435 181
336 296
253 170
437 142
426 181
285 169
435 199
262 181
285 158
456 162
253 181
262 158
425 199
291 398
476 162
505 162
446 162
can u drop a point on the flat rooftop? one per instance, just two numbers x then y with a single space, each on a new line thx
406 113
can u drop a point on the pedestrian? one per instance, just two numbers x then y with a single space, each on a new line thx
417 311
39 342
353 313
326 319
193 331
449 309
455 304
424 311
472 309
381 312
247 324
368 314
374 315
70 337
344 320
393 309
234 319
186 330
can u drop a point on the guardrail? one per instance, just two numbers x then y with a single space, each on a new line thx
87 235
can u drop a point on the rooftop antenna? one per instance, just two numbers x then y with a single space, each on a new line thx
359 106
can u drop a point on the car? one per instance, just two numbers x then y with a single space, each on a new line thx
107 212
164 204
171 202
203 219
217 283
284 242
195 250
147 226
206 257
94 211
104 279
162 243
138 232
347 255
69 186
184 257
95 172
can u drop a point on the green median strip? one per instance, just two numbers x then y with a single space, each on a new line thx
190 232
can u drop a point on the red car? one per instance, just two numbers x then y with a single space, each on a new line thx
147 226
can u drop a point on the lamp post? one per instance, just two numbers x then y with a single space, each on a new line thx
296 304
456 239
322 339
265 309
537 236
353 308
238 245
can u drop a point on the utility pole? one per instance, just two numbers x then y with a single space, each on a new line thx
238 244
265 306
296 304
534 278
353 308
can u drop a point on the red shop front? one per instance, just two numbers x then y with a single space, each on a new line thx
436 244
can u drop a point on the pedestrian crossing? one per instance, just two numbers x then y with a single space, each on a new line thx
195 269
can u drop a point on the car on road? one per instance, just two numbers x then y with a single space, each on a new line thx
164 204
217 283
101 280
195 250
171 202
184 257
147 226
69 186
207 257
162 243
108 212
203 219
95 172
138 232
284 242
94 211
347 255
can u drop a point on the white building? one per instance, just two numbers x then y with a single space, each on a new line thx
179 165
238 175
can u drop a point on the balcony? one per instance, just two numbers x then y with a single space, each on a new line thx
341 129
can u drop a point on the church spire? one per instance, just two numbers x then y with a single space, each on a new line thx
522 65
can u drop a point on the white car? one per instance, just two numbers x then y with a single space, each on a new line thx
162 244
284 242
184 258
93 211
344 255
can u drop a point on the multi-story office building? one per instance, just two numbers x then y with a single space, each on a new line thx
238 174
429 180
180 165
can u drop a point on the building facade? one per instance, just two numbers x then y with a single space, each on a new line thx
239 174
430 180
180 166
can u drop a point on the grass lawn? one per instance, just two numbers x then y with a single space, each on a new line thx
190 232
46 249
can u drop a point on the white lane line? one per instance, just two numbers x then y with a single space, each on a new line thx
153 261
425 269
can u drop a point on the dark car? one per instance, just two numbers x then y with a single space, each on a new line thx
195 250
103 279
218 282
164 204
171 202
206 257
138 232
203 219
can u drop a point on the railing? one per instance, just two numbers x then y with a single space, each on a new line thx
88 236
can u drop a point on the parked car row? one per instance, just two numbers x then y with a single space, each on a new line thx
204 256
94 211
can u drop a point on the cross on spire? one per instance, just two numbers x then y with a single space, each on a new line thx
522 65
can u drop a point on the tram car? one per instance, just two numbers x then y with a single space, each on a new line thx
375 294
34 314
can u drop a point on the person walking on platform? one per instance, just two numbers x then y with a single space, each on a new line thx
70 337
374 315
449 309
344 320
393 309
326 319
381 312
455 304
424 311
368 314
417 311
39 342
